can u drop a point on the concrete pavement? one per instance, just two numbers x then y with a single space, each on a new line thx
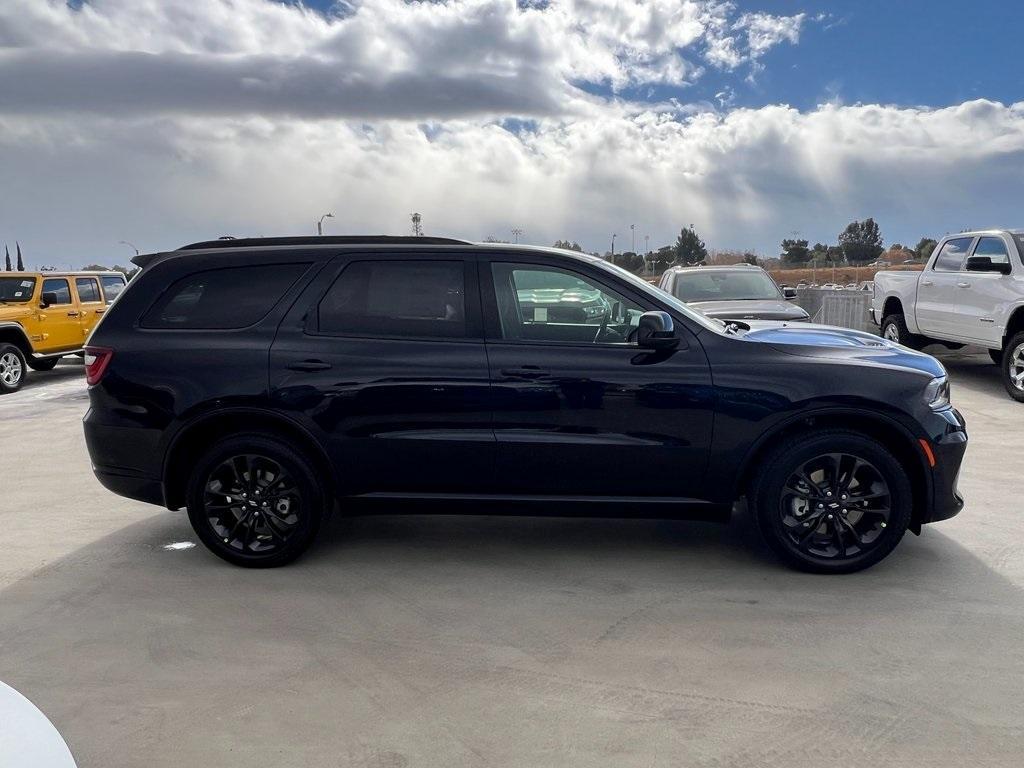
480 641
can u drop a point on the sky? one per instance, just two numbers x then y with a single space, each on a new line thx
162 122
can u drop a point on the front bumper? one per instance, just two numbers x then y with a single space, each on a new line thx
948 444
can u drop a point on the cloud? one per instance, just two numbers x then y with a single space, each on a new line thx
378 59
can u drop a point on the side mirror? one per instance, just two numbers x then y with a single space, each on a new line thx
48 298
789 293
655 330
985 264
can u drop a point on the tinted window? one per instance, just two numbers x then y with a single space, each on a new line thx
537 303
58 286
235 297
112 287
952 254
994 248
396 298
708 285
88 289
16 289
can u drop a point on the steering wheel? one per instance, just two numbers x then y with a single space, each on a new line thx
604 324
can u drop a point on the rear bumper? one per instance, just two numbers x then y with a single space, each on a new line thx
130 486
125 460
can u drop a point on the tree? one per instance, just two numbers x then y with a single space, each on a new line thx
690 249
749 258
794 252
634 262
568 246
861 241
21 264
7 253
662 258
924 248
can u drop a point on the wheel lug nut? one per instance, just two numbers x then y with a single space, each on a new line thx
843 511
821 506
843 496
830 517
883 525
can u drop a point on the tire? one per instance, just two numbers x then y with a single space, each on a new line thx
894 328
230 517
46 364
1012 366
996 355
870 507
12 368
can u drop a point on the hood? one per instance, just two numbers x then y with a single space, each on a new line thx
750 309
828 341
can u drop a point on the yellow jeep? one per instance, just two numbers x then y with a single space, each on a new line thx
46 315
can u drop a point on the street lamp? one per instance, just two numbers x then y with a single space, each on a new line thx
130 245
632 233
613 243
320 224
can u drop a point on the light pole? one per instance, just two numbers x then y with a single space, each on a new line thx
516 232
632 234
320 224
647 250
613 244
130 245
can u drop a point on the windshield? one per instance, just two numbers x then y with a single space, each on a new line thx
16 289
698 285
663 296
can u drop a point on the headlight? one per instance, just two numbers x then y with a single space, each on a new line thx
936 394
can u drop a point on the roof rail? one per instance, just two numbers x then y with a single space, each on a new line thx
253 242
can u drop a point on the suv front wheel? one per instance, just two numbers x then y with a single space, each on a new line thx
12 368
255 501
836 502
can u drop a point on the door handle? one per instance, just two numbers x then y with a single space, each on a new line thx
308 366
963 285
72 314
526 372
926 282
101 311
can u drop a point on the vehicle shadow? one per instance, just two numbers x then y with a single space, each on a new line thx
69 368
405 640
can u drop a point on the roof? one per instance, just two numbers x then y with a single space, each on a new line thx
61 273
713 267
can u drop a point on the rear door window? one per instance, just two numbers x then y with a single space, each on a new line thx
409 299
88 290
952 255
232 297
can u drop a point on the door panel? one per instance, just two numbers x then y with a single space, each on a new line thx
405 411
985 297
938 290
90 303
593 417
60 323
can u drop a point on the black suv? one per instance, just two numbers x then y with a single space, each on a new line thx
263 383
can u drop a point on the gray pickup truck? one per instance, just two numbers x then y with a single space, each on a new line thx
971 291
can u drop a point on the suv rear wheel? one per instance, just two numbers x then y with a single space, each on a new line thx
1013 367
836 502
12 368
254 500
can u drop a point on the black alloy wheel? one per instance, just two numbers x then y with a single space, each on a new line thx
834 502
254 501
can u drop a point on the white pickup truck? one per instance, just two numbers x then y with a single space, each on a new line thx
970 292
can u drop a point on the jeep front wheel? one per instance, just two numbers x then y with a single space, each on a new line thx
12 368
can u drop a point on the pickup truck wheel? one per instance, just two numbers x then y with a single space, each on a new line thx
1013 367
894 328
46 364
837 502
255 501
12 368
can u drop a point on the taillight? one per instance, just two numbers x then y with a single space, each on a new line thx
96 361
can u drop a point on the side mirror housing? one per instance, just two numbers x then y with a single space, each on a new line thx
985 264
789 293
48 298
655 330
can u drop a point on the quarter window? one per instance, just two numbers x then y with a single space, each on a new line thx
112 287
59 287
994 248
88 290
234 297
545 304
952 255
396 299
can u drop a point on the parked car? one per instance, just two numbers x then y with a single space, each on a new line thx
971 291
263 383
740 292
45 316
